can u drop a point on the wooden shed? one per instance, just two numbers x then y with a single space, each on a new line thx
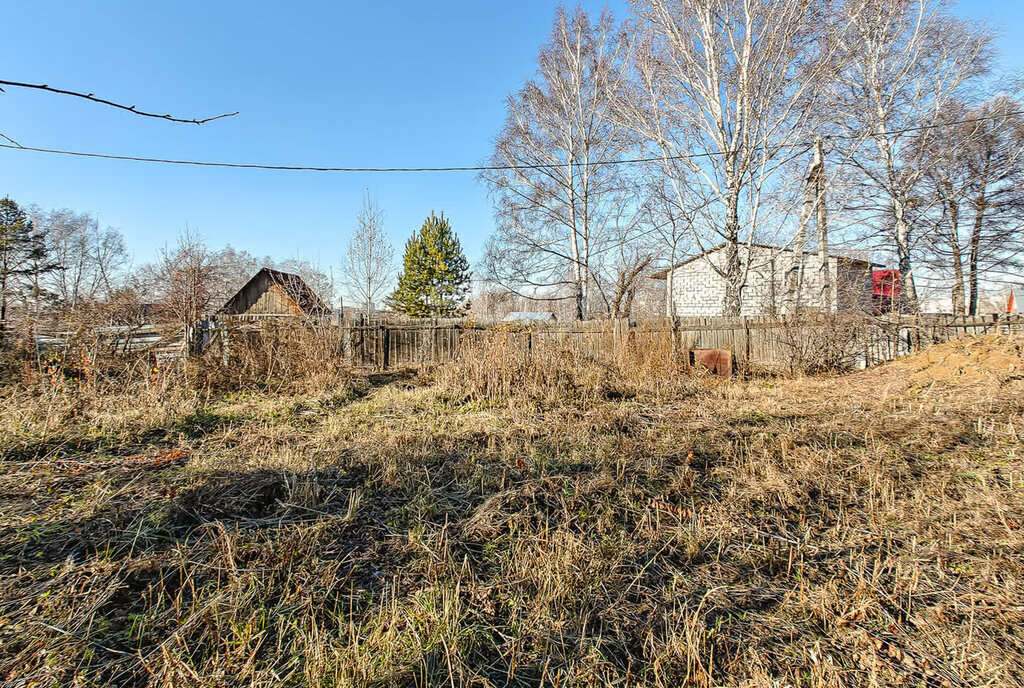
272 293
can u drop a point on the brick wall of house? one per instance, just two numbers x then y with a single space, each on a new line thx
698 289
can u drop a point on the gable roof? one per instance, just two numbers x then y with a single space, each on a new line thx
663 273
294 287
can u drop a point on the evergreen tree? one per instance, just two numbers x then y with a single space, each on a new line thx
435 274
22 251
40 261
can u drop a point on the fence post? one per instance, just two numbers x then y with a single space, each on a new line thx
745 341
435 349
355 339
225 344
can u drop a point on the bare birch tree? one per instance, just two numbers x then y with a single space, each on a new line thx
633 249
901 64
973 173
91 260
557 200
724 92
370 260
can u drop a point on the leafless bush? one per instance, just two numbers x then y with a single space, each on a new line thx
649 361
827 343
509 363
290 354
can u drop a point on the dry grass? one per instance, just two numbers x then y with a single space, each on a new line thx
497 525
513 364
285 356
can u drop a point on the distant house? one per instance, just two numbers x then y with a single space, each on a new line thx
699 290
529 317
272 293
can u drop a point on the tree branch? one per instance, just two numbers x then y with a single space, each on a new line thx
130 108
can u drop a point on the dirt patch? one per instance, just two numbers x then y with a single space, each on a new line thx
991 357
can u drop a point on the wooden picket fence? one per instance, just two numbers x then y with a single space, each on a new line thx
755 342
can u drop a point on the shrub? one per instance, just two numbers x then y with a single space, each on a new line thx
513 362
289 355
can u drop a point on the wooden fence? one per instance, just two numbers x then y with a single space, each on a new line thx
391 343
755 342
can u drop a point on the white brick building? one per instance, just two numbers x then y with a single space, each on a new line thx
698 289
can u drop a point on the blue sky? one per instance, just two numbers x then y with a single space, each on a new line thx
343 83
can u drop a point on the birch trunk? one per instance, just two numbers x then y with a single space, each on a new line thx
734 275
828 297
975 251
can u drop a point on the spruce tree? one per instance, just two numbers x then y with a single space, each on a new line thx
21 250
435 274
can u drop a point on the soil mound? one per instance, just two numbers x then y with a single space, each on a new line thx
989 357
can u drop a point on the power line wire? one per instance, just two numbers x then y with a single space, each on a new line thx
467 168
307 168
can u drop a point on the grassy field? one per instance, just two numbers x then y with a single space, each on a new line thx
546 522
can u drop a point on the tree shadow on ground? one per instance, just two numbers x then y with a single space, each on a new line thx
154 510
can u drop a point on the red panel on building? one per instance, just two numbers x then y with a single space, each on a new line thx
885 289
885 283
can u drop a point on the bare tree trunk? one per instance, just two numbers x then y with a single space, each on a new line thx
3 307
901 227
734 276
670 291
957 291
951 204
824 266
980 205
975 250
794 265
958 266
905 262
578 277
367 291
627 310
3 292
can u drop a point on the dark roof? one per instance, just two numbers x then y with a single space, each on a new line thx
663 273
293 285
